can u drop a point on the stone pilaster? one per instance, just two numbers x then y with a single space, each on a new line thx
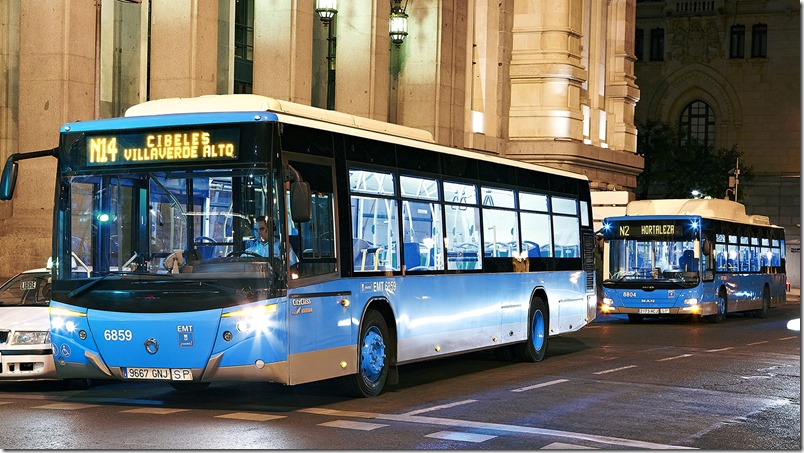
362 59
56 85
433 70
546 71
283 49
184 44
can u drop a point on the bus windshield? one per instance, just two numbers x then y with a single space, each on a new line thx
184 224
660 261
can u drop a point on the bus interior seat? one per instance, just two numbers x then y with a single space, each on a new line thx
412 255
534 251
688 262
205 247
361 247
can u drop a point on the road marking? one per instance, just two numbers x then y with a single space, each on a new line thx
155 410
362 426
543 384
564 446
756 343
443 406
682 356
464 437
251 417
616 369
720 350
5 402
66 406
498 427
786 338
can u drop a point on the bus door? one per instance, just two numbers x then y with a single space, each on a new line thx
320 315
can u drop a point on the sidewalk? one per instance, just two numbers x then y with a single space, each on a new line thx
793 296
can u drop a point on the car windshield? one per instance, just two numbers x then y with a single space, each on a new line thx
650 260
26 289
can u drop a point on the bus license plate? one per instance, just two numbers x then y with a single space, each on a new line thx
163 374
648 311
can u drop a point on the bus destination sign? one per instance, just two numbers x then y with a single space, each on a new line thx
197 145
648 228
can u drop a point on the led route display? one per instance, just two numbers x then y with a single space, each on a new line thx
174 146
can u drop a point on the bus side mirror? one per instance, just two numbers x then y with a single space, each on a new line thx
301 205
9 179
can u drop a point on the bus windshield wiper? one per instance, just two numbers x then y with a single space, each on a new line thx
85 287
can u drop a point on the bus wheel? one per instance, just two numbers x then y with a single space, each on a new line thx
762 312
535 348
636 319
372 367
722 305
189 386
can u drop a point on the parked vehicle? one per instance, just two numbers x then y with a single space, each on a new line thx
25 351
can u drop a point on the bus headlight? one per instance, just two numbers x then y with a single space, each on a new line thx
691 301
607 301
252 319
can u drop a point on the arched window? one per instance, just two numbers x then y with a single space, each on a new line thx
698 123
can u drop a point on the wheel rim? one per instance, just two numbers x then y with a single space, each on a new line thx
537 331
372 355
721 306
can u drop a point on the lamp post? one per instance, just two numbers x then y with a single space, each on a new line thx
327 10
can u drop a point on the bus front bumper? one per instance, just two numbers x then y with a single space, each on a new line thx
698 309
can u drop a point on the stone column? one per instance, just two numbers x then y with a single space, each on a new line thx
283 49
622 92
184 44
56 85
362 58
9 88
546 70
432 76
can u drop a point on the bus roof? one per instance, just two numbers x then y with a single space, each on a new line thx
305 115
709 208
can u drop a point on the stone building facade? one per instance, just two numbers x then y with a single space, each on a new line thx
732 71
544 81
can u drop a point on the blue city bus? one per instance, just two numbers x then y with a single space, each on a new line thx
385 248
700 257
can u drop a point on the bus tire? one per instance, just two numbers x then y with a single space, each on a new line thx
535 348
372 362
762 312
722 308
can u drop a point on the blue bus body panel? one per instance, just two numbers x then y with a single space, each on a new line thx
313 332
178 340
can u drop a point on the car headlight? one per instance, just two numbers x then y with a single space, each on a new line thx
30 337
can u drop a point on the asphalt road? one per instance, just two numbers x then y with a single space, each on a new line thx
614 385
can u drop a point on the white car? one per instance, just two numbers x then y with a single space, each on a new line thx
25 351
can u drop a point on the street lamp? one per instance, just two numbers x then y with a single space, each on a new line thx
398 24
326 10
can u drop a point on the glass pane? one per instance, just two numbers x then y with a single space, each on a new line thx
564 206
460 193
375 235
423 236
463 237
371 182
536 238
422 188
500 238
567 237
499 198
532 202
